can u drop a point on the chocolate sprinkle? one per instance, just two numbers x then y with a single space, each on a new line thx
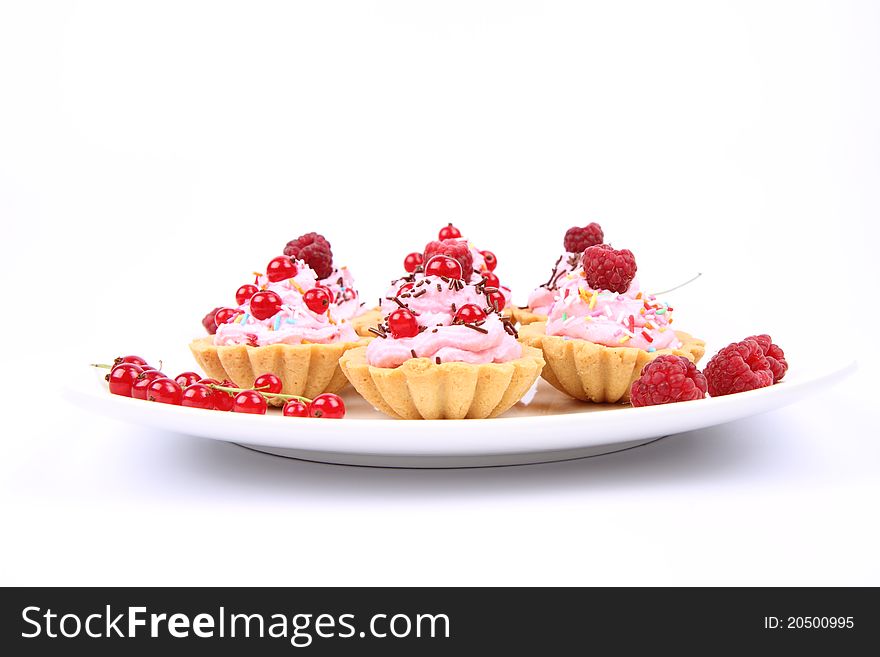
476 328
415 295
413 352
551 284
437 360
380 333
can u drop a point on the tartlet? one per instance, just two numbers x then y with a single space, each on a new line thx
286 324
442 351
597 340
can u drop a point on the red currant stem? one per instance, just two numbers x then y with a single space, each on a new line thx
110 367
276 395
680 285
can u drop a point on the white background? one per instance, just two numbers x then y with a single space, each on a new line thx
152 155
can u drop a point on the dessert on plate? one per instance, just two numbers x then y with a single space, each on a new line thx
286 323
602 329
443 350
576 240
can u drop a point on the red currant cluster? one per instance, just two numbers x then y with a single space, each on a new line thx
418 259
132 376
266 303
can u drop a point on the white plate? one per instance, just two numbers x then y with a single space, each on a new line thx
552 427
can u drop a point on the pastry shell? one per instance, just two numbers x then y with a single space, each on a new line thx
307 370
362 323
525 316
422 389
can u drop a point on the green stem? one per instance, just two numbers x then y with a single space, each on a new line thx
276 395
102 366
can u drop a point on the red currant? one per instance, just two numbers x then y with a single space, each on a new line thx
225 315
449 232
244 293
441 265
121 378
490 259
268 383
265 304
491 280
468 314
165 391
496 299
326 289
412 261
198 395
295 408
317 300
406 287
249 401
402 324
327 406
209 381
280 268
142 381
223 401
136 360
186 379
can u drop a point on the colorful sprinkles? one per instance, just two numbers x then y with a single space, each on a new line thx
642 319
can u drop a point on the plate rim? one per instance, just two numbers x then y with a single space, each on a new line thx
518 431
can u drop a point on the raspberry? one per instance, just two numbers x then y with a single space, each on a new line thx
774 355
668 379
314 250
457 249
578 239
606 268
208 321
319 259
305 240
740 366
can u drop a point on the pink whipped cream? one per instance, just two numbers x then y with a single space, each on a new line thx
633 319
492 341
345 296
542 297
294 323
